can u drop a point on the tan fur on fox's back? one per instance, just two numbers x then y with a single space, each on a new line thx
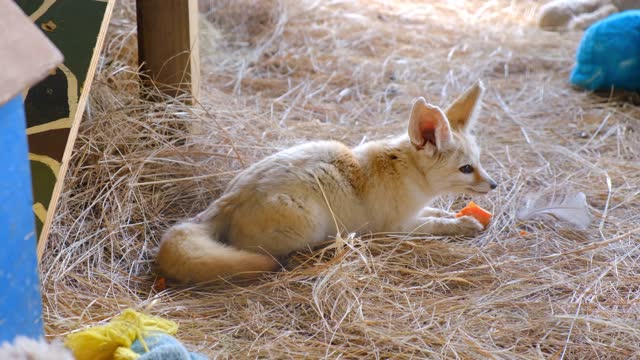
304 195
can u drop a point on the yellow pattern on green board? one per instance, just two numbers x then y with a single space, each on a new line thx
46 4
51 163
63 123
40 211
72 96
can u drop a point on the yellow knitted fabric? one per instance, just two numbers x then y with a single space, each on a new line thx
113 340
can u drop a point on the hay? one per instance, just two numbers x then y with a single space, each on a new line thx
347 71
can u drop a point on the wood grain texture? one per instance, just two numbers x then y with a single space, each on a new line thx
167 45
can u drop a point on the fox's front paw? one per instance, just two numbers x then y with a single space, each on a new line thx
432 212
438 226
468 225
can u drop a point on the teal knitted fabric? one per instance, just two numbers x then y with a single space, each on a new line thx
164 347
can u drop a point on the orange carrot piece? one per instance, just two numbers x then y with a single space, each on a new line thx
480 214
160 284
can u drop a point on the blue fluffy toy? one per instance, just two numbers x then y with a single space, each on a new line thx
609 54
163 347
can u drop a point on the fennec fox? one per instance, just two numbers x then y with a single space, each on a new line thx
296 198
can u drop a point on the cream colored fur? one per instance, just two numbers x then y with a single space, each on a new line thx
24 348
580 14
306 194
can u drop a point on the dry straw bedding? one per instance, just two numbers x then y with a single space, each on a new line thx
283 72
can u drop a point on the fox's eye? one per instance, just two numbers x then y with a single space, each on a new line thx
466 169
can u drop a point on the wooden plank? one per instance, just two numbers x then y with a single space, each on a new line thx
54 107
167 45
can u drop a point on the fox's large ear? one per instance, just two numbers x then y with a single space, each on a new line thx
463 111
428 126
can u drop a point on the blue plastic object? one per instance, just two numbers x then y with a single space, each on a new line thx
609 54
20 303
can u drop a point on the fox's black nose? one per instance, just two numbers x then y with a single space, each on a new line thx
493 185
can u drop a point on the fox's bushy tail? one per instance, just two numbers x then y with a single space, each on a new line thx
189 253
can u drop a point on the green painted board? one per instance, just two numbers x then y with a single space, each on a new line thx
55 105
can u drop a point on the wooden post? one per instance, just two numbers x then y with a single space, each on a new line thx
167 45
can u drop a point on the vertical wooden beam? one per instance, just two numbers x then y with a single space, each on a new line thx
167 45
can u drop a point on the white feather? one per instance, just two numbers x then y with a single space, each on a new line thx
570 208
